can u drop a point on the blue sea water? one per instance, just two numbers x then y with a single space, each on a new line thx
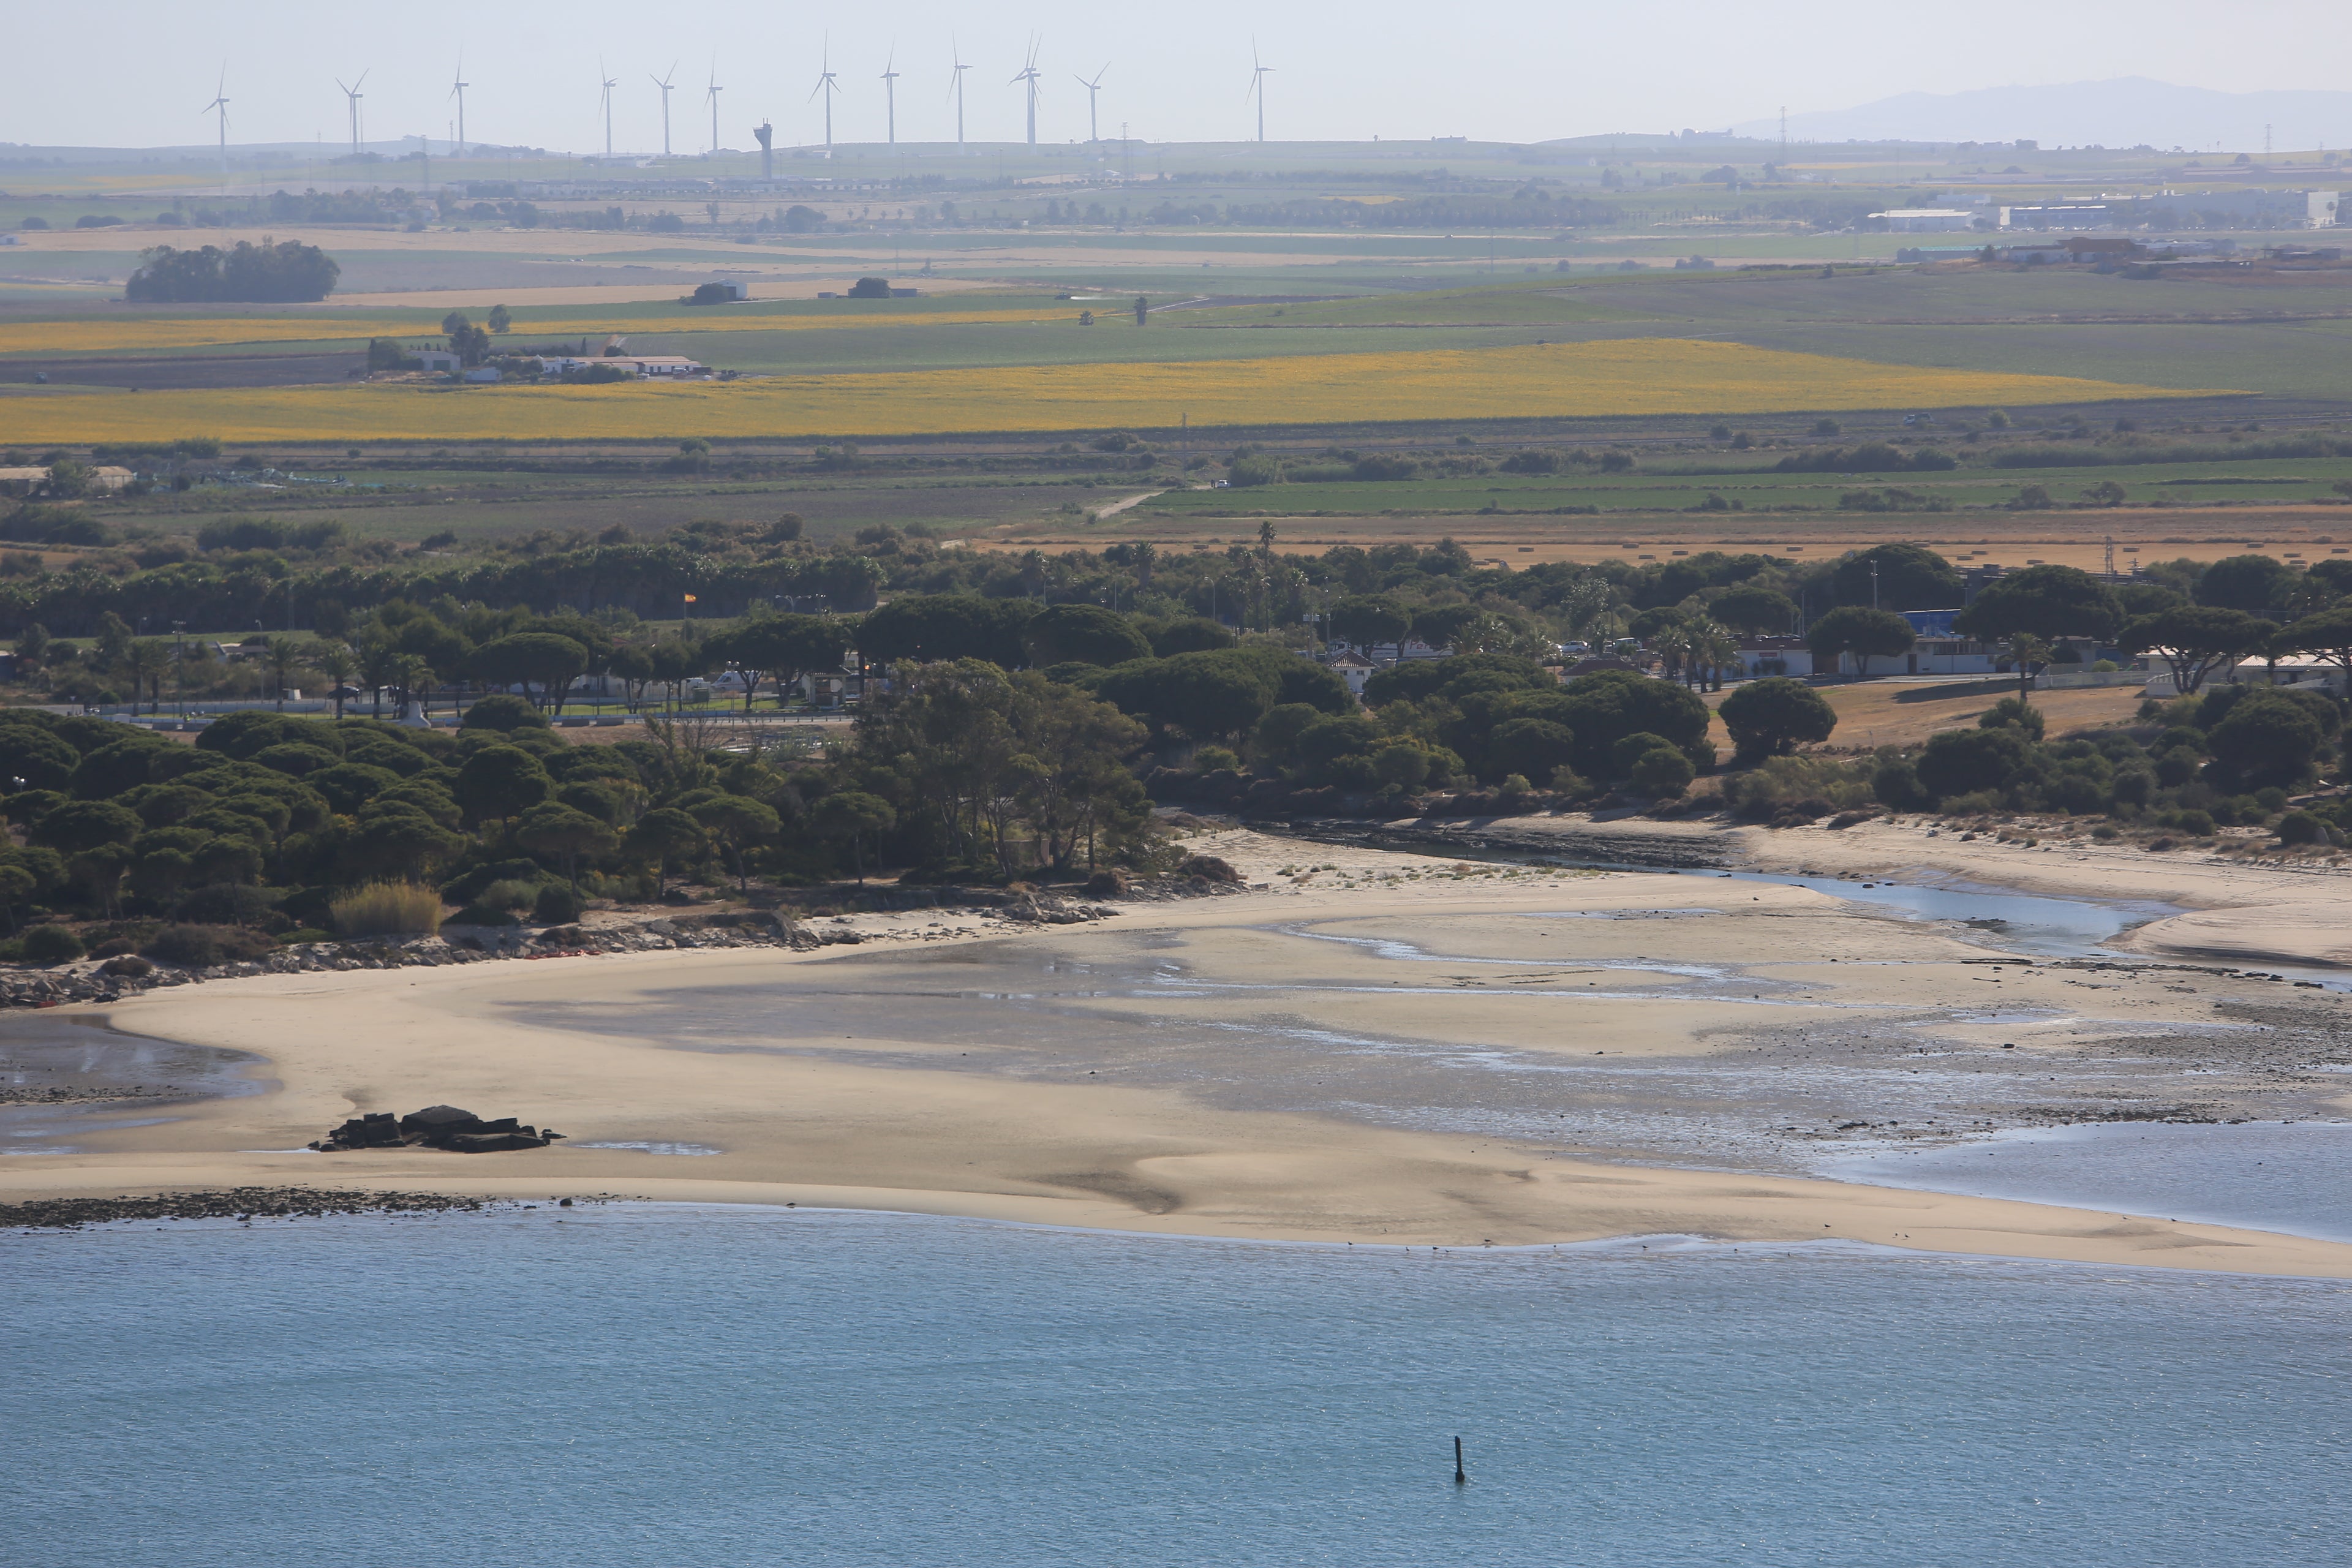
678 1385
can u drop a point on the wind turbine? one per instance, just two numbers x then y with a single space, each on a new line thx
955 84
1094 89
664 84
459 92
352 93
1029 74
891 89
1258 73
713 96
220 104
606 99
827 86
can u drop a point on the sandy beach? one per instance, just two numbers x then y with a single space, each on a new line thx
1365 1046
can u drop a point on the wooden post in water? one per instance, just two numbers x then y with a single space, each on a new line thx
1460 1478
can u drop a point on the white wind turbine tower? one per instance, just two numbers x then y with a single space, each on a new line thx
353 94
713 96
1094 93
890 92
1029 74
1258 73
955 84
459 92
826 85
664 84
606 101
220 105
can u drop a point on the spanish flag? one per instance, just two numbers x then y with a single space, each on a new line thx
689 599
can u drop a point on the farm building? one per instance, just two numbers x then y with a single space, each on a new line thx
665 367
1926 220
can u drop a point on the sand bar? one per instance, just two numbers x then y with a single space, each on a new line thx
1220 1105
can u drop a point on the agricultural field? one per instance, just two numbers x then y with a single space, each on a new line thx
977 405
1563 381
2252 483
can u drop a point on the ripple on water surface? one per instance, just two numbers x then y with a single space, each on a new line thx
654 1385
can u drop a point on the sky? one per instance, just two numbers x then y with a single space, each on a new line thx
138 72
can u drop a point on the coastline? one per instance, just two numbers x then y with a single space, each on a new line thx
900 1121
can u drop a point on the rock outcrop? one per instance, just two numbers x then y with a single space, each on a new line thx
435 1127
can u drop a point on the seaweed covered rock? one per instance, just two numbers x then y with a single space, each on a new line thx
441 1127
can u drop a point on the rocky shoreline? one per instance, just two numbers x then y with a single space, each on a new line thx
235 1203
470 944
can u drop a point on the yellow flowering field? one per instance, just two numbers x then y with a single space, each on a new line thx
1631 376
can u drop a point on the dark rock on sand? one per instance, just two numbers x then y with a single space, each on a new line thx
236 1203
441 1127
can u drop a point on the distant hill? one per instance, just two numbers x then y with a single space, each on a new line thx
2129 111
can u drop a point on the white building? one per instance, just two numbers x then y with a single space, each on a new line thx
1926 220
1354 668
1775 656
663 367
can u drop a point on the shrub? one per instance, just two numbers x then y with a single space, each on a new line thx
386 909
1770 717
50 944
503 711
558 903
1967 761
1208 759
2301 827
1894 783
300 935
482 915
2269 739
509 893
1633 748
197 946
1783 785
1662 772
2014 713
2193 822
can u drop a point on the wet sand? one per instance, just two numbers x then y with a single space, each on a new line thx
1396 1048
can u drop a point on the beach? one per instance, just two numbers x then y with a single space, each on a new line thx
1394 1048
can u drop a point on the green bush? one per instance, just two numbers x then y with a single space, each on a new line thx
509 893
503 711
200 946
1813 785
557 904
1633 748
1210 759
482 915
2301 827
2195 823
1663 773
50 944
1772 716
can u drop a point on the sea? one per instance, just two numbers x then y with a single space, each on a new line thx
673 1384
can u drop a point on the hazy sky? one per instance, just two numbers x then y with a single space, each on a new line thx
137 73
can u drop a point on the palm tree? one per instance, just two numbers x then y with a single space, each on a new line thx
338 663
1713 646
1674 645
380 668
146 661
282 655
